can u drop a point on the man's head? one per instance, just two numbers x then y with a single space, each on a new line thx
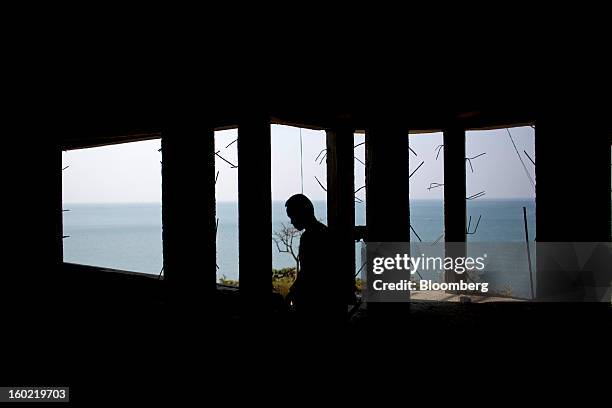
300 210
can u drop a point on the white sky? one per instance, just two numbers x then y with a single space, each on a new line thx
131 172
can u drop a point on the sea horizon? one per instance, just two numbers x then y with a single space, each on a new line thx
321 200
128 235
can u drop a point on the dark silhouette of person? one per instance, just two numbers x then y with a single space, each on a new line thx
316 293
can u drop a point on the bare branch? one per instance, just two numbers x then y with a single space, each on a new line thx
320 184
415 170
438 149
475 196
283 239
320 153
529 157
277 242
225 160
323 158
469 159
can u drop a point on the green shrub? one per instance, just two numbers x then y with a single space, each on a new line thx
228 282
282 279
283 273
359 285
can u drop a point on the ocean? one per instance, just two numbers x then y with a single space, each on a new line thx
129 236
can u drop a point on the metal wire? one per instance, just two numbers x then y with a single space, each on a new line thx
301 162
415 170
520 159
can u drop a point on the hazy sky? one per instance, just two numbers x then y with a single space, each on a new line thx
131 172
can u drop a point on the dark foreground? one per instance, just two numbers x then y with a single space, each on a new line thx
152 349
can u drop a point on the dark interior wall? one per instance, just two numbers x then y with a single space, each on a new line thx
454 186
37 203
387 194
387 174
341 200
255 211
188 212
573 202
572 182
32 219
455 210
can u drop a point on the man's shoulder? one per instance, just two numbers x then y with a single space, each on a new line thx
320 229
316 232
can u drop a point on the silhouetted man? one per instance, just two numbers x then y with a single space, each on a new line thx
317 290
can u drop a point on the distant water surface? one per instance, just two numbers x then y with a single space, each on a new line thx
129 236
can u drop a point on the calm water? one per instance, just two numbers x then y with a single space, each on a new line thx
128 236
